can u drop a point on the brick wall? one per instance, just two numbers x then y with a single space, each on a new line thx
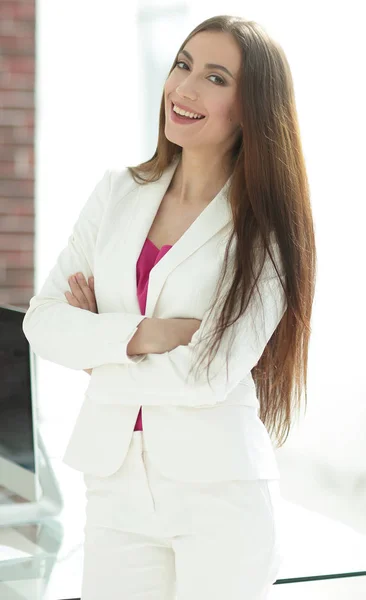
17 81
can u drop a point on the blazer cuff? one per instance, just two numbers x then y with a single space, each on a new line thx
79 339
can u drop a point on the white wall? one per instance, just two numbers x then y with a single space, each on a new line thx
88 106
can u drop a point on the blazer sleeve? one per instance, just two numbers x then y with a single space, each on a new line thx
161 379
70 336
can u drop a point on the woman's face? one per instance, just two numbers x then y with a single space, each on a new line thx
208 91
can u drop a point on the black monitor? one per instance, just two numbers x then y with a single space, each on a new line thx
18 441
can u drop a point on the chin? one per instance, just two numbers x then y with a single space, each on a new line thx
171 137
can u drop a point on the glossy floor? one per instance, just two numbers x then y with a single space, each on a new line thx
318 543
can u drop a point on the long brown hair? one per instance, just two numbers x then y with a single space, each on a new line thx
269 192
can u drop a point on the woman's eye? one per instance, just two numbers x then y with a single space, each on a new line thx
220 80
180 62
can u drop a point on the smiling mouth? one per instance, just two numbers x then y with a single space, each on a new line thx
200 118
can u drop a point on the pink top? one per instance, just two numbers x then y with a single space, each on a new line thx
150 255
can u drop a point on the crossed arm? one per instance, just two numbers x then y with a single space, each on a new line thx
155 336
149 336
138 344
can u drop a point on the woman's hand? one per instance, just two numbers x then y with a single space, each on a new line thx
156 336
176 332
82 295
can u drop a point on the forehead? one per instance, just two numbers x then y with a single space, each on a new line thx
215 47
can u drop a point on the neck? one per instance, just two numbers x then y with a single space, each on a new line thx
198 181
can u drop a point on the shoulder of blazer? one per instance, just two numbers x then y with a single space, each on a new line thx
121 183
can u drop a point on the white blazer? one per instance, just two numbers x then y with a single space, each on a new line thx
193 432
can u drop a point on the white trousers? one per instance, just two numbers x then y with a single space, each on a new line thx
148 537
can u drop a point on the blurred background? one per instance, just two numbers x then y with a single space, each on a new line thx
80 90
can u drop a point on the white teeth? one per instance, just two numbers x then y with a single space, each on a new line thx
186 114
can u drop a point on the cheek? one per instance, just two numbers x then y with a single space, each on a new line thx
232 114
224 114
172 82
168 88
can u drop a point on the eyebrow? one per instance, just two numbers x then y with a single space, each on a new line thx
208 65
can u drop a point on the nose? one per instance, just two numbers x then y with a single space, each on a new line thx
190 96
184 90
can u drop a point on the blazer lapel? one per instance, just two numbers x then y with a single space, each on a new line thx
135 224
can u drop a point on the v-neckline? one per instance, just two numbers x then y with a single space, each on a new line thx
159 249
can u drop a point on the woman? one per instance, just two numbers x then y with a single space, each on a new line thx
210 526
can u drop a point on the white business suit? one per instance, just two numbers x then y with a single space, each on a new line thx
192 432
187 505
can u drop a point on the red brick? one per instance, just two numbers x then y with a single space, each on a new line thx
17 189
7 151
16 296
17 135
17 99
22 260
17 117
24 134
7 168
16 81
12 152
6 136
16 242
18 64
18 44
19 167
16 223
23 277
16 206
17 11
12 118
16 28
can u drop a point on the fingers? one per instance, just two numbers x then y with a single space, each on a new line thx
83 294
72 300
91 284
